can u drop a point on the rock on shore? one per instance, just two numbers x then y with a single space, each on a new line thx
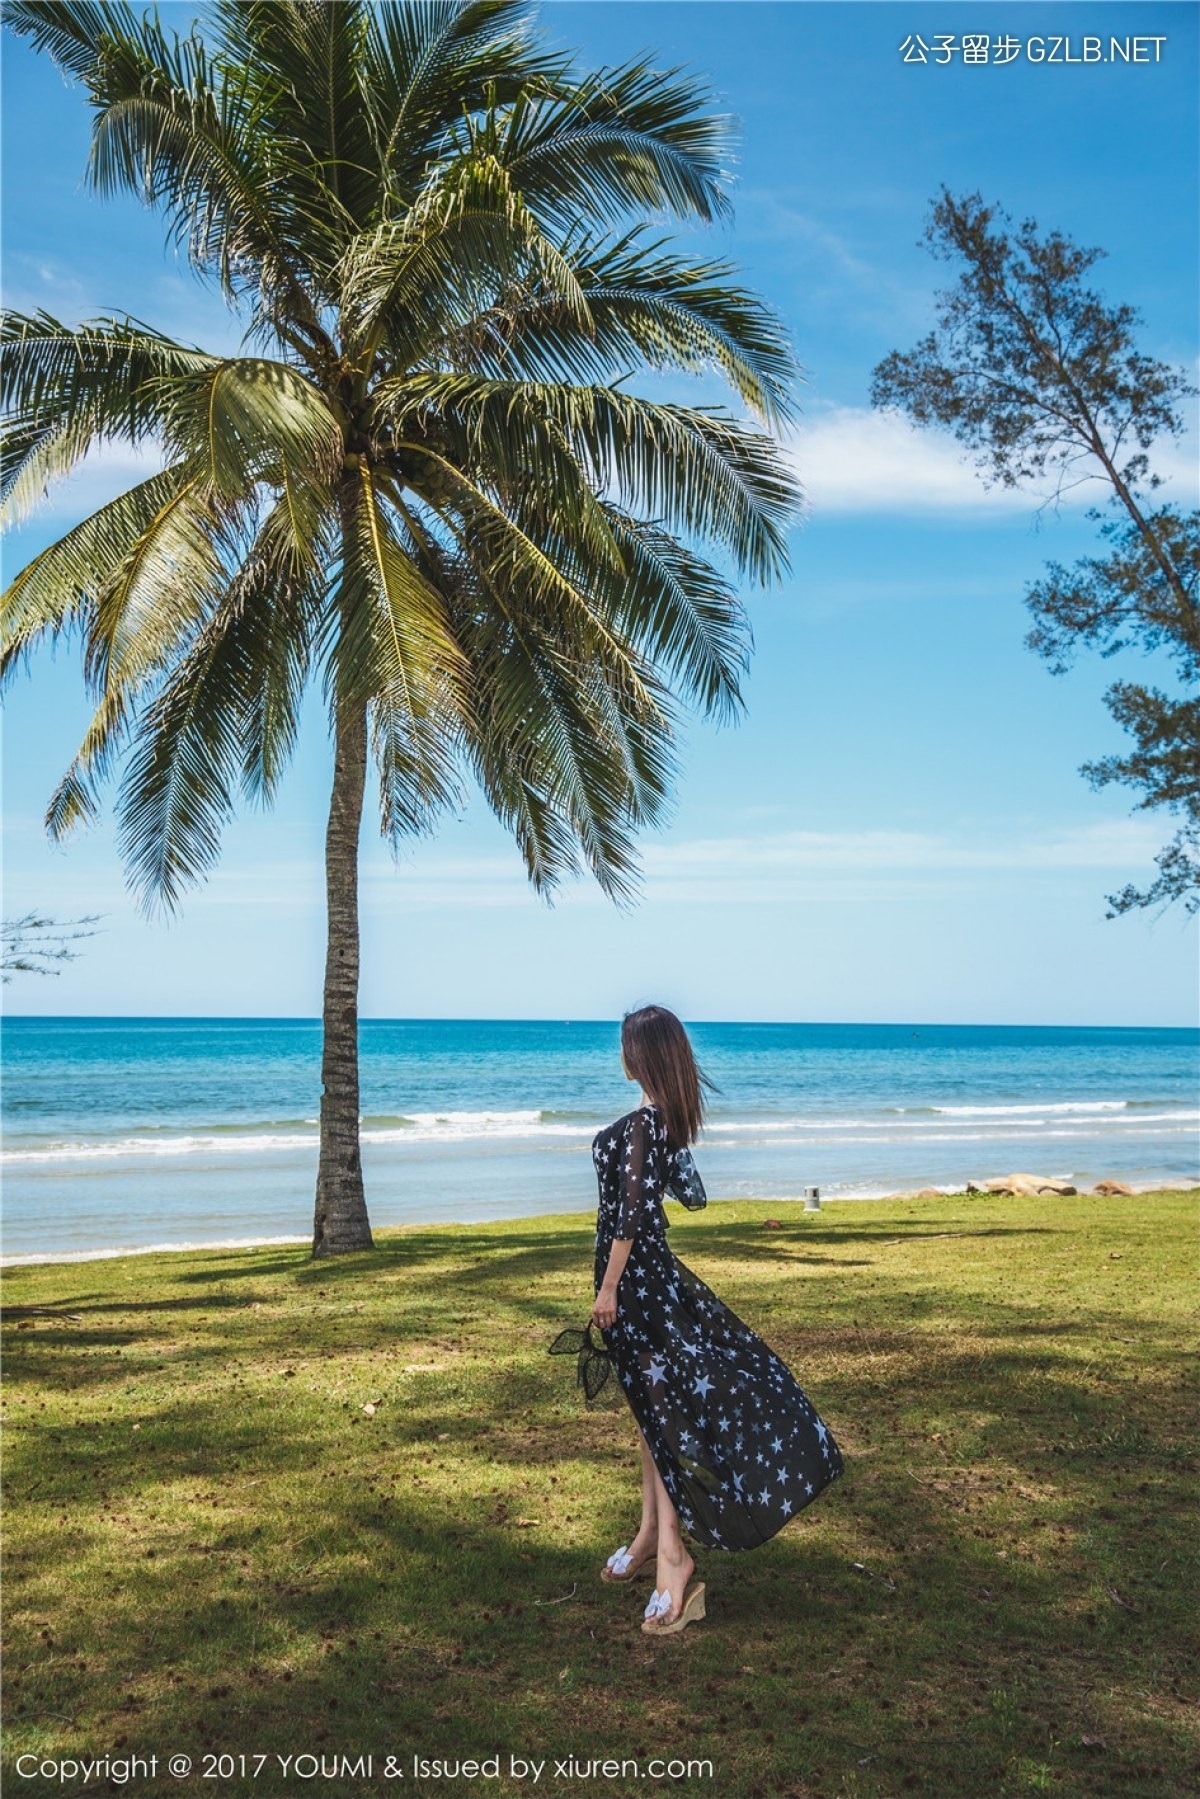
1029 1185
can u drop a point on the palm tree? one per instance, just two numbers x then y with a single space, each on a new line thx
427 481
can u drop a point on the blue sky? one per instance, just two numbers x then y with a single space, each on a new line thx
897 830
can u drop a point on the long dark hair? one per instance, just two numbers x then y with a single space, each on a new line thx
658 1054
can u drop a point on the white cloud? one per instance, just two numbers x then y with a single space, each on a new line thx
855 459
775 867
742 872
1116 843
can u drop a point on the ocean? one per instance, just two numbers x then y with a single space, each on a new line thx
127 1133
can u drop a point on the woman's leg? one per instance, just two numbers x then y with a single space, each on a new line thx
647 1537
675 1566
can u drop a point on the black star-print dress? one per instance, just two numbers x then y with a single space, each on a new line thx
740 1448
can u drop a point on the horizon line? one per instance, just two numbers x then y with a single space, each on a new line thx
910 1024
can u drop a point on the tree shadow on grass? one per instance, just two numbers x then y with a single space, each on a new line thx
261 1571
528 1293
1001 1572
367 1613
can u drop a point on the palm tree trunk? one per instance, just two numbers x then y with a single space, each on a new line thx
341 1221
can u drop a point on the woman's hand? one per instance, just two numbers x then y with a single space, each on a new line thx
604 1312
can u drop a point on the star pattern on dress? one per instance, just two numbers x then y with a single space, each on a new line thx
738 1444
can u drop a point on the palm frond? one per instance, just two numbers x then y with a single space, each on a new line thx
159 593
550 752
702 473
66 389
74 801
251 419
49 368
410 279
428 63
499 433
323 158
186 132
621 140
396 653
177 794
645 309
33 460
63 585
651 306
681 612
509 558
73 32
281 588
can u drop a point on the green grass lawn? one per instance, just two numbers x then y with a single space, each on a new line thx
213 1547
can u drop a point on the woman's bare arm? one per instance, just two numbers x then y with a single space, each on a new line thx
604 1312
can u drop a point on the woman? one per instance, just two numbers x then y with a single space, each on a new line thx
731 1448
